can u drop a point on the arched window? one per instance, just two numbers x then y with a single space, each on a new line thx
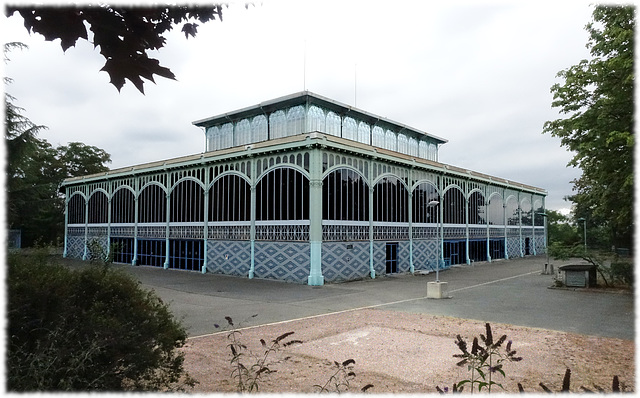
454 206
98 208
426 203
187 202
364 133
512 211
391 140
345 196
282 194
230 199
333 124
295 121
350 129
213 138
315 120
403 144
413 147
377 137
495 210
259 128
278 125
76 209
423 150
242 133
477 211
527 216
123 206
538 208
226 136
390 201
152 204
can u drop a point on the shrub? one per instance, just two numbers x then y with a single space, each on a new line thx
93 329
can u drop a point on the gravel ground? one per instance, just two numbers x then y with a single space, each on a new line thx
407 353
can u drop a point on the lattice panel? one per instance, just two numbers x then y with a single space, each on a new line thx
229 232
75 246
229 257
379 258
404 258
513 247
345 261
286 261
426 254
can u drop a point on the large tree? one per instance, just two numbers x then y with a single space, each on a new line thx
124 33
597 99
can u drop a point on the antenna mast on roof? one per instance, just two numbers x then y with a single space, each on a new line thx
304 68
355 85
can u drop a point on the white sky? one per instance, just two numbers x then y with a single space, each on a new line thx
475 73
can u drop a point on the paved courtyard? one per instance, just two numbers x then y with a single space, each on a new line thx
507 291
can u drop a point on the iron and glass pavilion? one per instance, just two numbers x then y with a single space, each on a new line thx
303 189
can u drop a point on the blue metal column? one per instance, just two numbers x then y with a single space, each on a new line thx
410 213
168 215
252 228
136 213
205 221
86 227
66 223
315 218
372 270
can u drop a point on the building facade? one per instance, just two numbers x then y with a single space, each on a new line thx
307 190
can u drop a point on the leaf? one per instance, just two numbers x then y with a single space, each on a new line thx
365 388
281 337
348 362
264 343
229 320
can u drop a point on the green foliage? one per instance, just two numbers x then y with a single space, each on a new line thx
483 361
124 34
597 95
94 329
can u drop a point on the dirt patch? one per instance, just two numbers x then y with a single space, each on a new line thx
409 353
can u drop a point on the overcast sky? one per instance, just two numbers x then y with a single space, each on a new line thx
475 73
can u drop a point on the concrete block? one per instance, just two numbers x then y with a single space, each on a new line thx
437 290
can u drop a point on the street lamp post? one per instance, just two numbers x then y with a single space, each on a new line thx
584 224
435 203
546 238
437 289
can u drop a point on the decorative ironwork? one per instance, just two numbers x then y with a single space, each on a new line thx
283 232
152 231
391 232
75 231
475 233
229 232
96 231
454 232
186 231
426 232
345 232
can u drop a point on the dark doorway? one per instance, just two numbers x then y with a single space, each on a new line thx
392 258
527 244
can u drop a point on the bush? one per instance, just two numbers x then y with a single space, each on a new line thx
93 329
